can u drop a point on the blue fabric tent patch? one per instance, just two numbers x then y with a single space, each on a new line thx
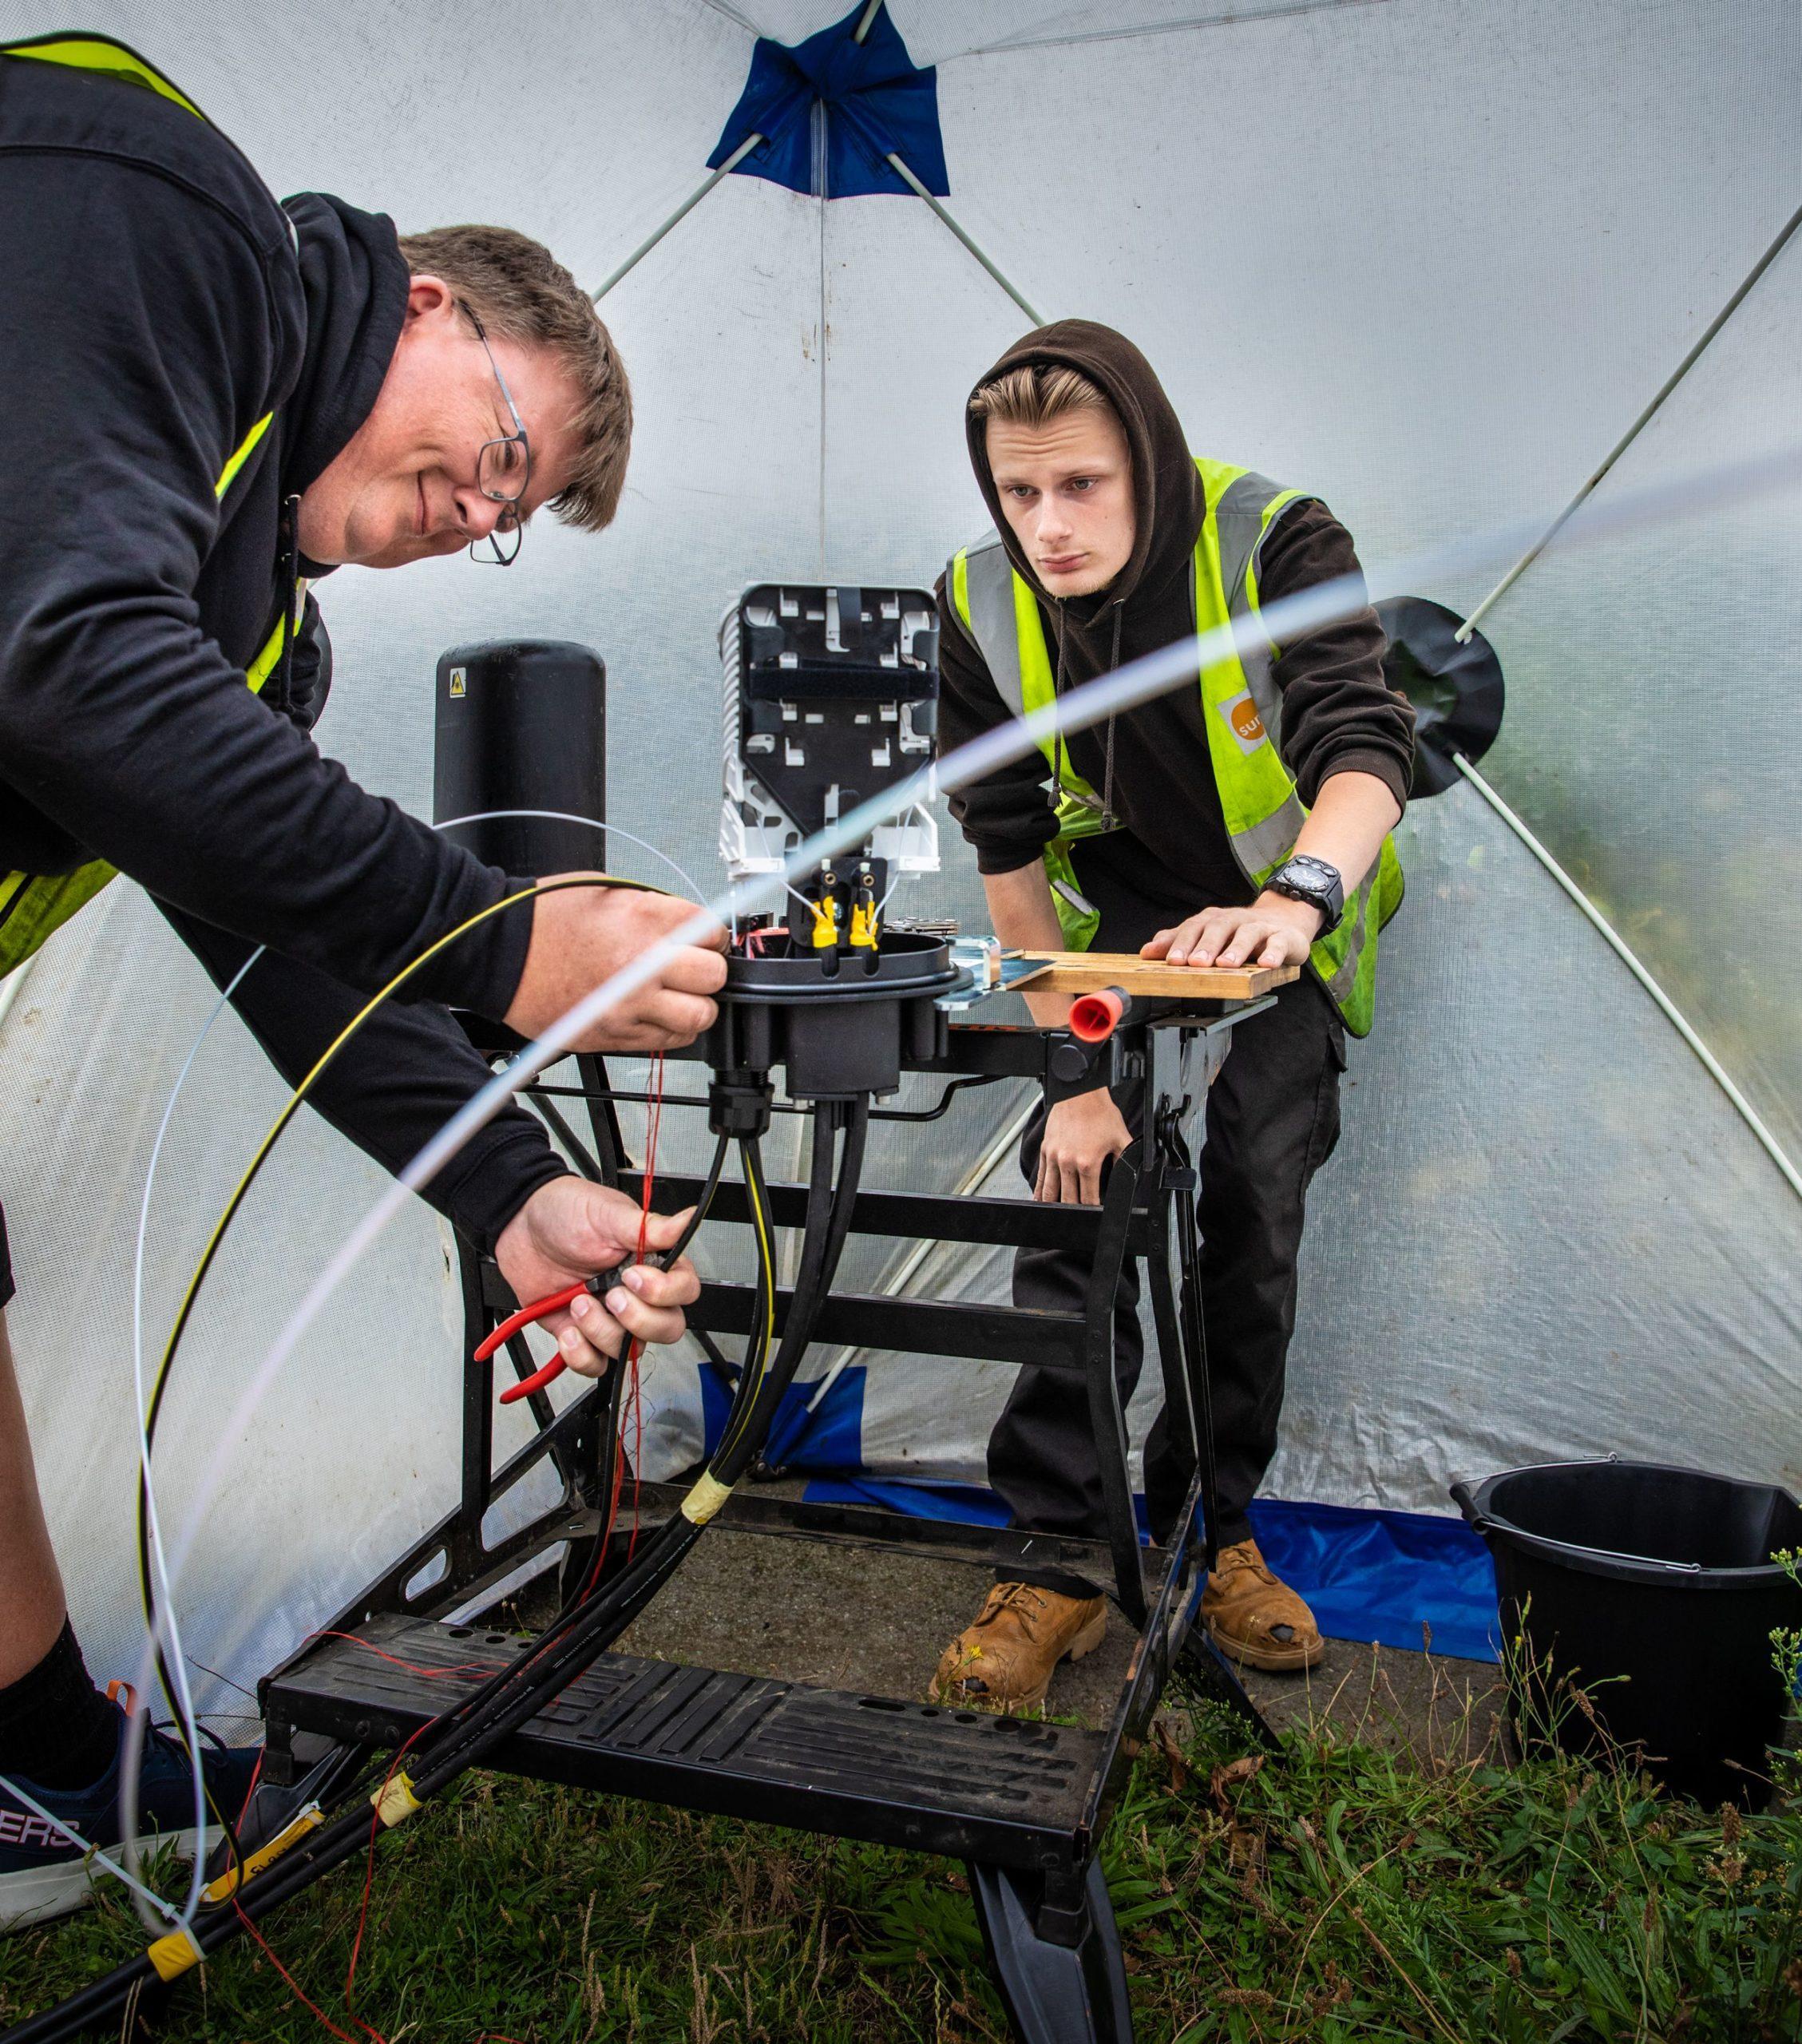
1368 1575
830 1437
872 99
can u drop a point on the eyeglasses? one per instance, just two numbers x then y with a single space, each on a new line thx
503 471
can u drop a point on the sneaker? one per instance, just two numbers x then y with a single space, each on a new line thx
43 1874
1003 1661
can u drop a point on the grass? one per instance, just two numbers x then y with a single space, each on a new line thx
1345 1891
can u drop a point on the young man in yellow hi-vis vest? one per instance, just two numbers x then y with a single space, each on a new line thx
212 400
1244 817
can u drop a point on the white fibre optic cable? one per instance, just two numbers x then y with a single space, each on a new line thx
130 1772
167 1624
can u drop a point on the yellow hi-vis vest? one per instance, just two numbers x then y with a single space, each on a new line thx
1241 711
34 904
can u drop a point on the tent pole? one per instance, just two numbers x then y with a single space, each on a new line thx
14 986
1029 310
1025 39
681 213
1711 1064
1634 431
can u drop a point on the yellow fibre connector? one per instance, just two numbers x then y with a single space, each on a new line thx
826 923
171 1956
863 926
395 1801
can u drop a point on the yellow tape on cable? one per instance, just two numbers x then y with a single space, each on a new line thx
705 1499
228 1883
171 1956
395 1801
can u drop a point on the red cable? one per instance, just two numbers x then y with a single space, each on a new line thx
293 1987
431 1674
369 1882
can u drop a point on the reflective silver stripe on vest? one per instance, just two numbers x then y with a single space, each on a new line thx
1238 519
1344 977
1239 523
989 579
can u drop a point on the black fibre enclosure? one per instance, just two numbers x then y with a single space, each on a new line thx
840 1024
522 723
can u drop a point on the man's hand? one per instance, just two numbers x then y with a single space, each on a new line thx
1081 1134
570 1229
1274 931
581 935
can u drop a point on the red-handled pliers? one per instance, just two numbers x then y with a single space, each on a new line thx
597 1286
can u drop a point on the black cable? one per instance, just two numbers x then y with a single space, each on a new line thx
710 1185
552 1663
166 1368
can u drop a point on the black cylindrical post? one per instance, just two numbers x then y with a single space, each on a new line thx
522 723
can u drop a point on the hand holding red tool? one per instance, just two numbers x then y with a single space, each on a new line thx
597 1286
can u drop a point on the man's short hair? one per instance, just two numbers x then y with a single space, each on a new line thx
518 289
1035 395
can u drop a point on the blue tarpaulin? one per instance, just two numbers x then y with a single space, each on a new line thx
1367 1575
872 100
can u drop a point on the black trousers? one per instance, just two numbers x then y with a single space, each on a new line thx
1272 1121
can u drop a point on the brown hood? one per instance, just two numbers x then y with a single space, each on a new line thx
1167 498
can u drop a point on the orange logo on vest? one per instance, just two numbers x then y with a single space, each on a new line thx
1248 727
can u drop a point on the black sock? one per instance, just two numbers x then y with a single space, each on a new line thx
56 1730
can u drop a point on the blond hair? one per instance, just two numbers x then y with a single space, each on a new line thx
519 291
1035 395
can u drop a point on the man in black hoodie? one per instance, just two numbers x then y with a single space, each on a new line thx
210 401
1245 819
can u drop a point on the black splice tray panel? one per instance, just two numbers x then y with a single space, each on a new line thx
962 1782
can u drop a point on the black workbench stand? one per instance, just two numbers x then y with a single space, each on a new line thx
1023 1802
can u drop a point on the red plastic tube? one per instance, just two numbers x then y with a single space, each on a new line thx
1094 1017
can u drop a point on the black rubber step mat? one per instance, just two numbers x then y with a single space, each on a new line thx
961 1782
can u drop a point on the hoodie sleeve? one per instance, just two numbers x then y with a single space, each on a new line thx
1007 816
137 331
1340 715
393 1087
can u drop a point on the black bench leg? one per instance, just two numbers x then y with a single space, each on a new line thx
1056 1956
1202 1661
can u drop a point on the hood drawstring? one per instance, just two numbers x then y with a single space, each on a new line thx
1107 769
1108 819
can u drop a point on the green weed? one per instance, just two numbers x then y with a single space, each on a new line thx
1341 1892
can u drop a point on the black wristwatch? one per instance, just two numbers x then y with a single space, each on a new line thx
1321 886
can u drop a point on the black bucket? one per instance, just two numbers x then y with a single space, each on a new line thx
1653 1591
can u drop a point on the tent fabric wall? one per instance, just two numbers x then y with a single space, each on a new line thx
1425 259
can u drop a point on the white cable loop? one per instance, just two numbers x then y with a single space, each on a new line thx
131 1772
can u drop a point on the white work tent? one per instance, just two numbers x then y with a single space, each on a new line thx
1426 258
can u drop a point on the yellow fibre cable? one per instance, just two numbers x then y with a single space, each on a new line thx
292 1107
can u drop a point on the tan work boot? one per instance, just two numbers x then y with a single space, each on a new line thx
1254 1618
1003 1661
